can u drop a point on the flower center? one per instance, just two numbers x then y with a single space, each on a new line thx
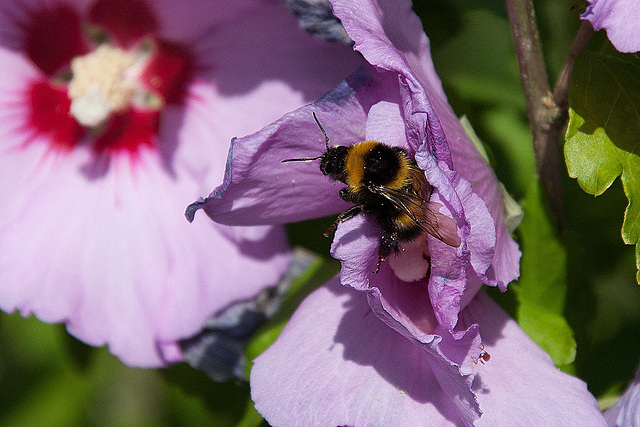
105 76
102 84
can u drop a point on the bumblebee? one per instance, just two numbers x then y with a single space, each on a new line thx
386 182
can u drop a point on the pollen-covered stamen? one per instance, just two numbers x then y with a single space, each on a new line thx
412 262
101 84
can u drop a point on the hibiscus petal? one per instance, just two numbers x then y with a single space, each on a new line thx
259 189
355 370
48 34
471 166
398 43
264 47
626 411
115 261
519 385
188 24
620 19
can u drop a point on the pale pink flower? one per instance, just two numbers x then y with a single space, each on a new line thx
113 115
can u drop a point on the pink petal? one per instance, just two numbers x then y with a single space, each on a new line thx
626 411
117 263
519 385
619 18
354 370
398 43
189 25
105 214
265 47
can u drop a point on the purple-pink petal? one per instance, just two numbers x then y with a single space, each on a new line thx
398 43
619 18
354 370
626 411
519 385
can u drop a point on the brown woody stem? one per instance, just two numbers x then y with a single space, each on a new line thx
545 116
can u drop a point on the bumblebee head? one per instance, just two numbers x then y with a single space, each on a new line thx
333 161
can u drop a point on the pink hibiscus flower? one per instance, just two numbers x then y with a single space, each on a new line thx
415 343
116 113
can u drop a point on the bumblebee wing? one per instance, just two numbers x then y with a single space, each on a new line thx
441 226
409 203
425 214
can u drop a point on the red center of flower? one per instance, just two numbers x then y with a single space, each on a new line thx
105 76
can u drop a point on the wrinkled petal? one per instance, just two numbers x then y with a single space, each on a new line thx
619 18
398 43
357 371
519 385
259 189
626 411
472 167
453 268
353 371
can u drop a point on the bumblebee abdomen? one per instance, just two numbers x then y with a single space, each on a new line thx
398 224
407 227
373 163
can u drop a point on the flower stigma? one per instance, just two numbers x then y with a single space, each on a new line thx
103 83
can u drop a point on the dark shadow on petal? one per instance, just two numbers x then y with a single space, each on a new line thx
368 341
490 326
267 45
169 136
275 242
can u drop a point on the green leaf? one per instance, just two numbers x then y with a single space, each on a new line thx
602 138
541 289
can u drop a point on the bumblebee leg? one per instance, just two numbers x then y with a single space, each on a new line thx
347 195
348 214
388 241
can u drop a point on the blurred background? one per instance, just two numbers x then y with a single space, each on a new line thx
49 378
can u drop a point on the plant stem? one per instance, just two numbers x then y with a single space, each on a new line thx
561 91
545 116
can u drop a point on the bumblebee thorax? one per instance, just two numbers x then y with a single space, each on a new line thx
377 164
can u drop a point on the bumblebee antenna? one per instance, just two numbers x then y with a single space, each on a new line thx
326 143
326 138
302 159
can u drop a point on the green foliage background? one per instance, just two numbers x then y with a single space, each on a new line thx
577 296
